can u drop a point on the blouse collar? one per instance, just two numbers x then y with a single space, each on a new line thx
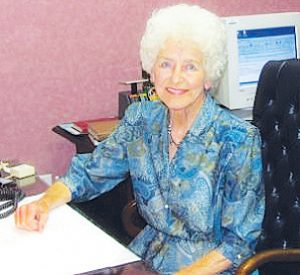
205 117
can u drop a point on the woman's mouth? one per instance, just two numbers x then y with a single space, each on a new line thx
175 91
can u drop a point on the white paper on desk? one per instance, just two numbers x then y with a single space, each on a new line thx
69 244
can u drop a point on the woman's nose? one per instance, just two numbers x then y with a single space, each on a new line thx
176 74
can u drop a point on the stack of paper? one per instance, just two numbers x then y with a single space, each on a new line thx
83 125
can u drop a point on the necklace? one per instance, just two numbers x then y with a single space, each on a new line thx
171 140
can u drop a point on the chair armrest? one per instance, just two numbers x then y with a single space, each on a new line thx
133 223
266 256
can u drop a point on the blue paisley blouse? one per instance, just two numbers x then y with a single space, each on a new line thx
209 196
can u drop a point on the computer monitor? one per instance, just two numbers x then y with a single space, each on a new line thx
252 41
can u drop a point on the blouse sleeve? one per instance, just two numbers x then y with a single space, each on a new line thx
90 175
243 201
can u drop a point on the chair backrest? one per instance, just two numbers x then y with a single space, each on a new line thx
276 113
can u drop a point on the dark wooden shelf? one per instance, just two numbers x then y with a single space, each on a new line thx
82 141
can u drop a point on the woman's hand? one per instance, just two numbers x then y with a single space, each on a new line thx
194 270
210 264
32 216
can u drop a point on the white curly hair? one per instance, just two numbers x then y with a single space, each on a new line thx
192 23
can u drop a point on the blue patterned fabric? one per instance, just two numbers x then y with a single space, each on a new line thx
209 196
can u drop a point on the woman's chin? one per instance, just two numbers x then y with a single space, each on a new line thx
177 106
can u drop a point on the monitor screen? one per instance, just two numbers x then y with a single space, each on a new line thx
257 46
252 41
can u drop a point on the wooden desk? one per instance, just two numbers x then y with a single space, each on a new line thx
69 244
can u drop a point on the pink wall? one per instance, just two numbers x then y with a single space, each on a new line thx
61 60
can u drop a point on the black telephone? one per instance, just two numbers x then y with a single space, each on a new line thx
10 196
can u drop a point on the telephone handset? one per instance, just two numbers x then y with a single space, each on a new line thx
10 196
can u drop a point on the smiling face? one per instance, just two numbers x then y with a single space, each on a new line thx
179 77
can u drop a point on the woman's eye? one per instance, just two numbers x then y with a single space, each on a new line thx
190 67
165 64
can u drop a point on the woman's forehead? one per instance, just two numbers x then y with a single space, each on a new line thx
185 49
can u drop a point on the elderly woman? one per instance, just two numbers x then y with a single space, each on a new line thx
195 167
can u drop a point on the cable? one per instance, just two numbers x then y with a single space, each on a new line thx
10 196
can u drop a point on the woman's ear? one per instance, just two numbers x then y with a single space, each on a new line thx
152 78
207 85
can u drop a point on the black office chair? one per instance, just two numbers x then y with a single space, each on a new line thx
276 113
